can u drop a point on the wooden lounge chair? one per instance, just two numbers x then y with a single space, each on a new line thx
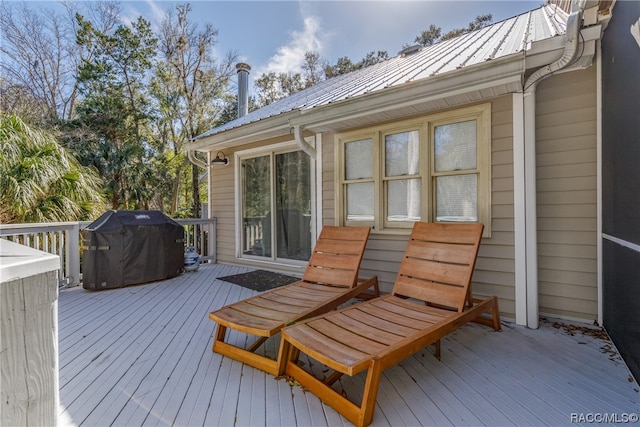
430 299
330 279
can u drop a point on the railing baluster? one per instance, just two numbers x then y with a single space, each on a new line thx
63 239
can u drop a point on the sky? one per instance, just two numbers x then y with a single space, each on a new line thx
274 35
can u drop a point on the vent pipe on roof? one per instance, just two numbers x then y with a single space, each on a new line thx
243 88
572 35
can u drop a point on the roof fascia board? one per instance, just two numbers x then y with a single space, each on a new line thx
266 128
322 119
505 71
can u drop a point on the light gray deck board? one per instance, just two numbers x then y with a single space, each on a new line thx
141 355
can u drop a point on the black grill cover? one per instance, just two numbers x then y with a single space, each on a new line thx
128 247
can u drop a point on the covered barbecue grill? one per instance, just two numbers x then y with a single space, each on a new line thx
128 247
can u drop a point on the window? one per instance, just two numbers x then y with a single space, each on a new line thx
455 171
401 176
359 184
434 168
275 206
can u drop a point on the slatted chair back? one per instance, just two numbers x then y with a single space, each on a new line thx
438 264
336 256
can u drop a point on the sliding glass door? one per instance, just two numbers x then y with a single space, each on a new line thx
276 206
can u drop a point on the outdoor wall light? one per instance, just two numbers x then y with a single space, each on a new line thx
220 160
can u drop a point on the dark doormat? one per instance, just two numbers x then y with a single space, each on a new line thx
260 280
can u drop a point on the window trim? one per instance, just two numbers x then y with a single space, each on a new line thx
425 125
384 179
342 177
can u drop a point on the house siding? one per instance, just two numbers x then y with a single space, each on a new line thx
494 273
328 180
566 156
566 196
222 207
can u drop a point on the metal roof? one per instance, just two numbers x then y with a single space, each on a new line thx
499 40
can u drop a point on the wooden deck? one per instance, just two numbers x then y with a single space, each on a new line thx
141 355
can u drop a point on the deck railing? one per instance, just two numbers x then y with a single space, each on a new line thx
252 234
65 240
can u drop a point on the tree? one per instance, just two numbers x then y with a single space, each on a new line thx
312 71
434 34
480 22
189 87
34 49
40 181
40 58
373 58
18 100
115 106
345 65
271 87
429 36
230 108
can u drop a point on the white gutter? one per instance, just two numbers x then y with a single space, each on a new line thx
574 24
301 143
193 159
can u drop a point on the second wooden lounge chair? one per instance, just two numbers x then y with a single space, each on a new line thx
431 298
330 279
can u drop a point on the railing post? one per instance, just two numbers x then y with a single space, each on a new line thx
72 253
212 240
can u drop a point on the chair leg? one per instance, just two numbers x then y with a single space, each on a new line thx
376 287
257 343
283 356
437 346
335 376
496 315
371 282
242 355
219 335
370 393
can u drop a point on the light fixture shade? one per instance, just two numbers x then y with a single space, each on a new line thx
224 160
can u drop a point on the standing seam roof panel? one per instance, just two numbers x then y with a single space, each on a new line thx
482 48
498 40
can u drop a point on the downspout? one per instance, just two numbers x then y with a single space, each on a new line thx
196 161
298 136
301 143
574 23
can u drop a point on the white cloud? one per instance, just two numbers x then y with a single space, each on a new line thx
290 57
155 12
129 14
158 13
